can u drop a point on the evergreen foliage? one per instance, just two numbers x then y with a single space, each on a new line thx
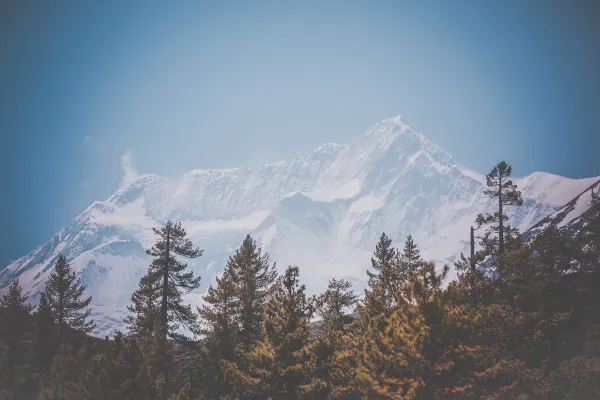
252 277
502 188
276 363
167 282
15 313
332 307
382 280
144 310
233 315
117 372
63 294
63 380
220 330
531 332
409 258
46 340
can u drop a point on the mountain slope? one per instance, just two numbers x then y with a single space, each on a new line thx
323 211
570 217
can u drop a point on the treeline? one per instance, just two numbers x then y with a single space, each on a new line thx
521 321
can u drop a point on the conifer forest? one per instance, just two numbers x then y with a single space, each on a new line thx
521 321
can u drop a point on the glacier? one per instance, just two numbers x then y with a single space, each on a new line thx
323 211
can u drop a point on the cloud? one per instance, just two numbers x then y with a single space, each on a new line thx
129 173
86 138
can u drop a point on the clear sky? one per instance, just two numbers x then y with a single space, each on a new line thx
188 85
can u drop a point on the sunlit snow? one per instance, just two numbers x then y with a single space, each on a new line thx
323 212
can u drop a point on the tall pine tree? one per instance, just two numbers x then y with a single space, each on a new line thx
234 310
382 280
219 328
409 259
252 277
277 361
501 188
333 307
167 277
64 295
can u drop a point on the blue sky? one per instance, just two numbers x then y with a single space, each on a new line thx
185 85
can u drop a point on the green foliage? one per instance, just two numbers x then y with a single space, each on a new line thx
220 330
232 317
276 363
117 372
63 294
383 279
334 304
165 284
46 339
332 307
252 278
144 310
15 339
531 332
63 380
502 188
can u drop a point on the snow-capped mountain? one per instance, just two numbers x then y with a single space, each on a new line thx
570 217
323 212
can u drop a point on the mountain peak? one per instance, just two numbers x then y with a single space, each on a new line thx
393 125
329 149
324 211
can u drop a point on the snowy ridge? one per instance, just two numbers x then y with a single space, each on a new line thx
323 211
569 217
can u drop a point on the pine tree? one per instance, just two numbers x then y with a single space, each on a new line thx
277 361
145 309
502 188
408 260
411 256
333 306
14 300
14 329
234 312
415 352
389 354
167 277
382 282
252 277
64 296
220 333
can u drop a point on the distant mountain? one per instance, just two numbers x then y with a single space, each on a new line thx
571 216
323 211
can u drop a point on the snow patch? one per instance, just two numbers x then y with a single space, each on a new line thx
249 222
581 206
366 204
